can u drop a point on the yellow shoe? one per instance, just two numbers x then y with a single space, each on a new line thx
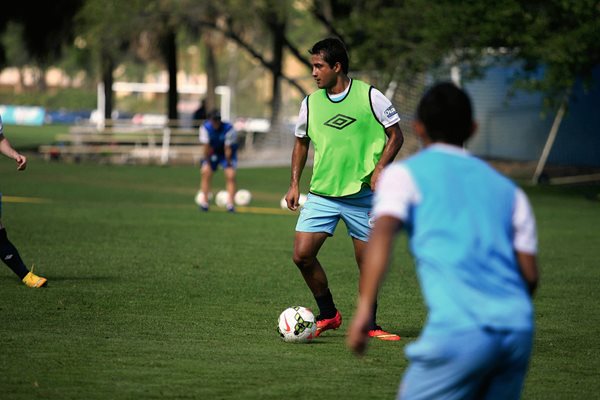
34 281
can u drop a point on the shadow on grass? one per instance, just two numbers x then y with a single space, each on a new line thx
407 334
63 279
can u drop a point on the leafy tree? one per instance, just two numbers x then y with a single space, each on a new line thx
401 38
46 27
108 27
14 49
261 29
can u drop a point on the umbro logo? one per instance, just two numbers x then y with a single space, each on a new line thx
340 121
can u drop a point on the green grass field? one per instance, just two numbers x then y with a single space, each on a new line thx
148 298
29 138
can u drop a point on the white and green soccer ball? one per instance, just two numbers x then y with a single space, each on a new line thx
297 325
301 200
242 197
201 199
222 198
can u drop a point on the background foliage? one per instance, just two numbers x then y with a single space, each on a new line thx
252 45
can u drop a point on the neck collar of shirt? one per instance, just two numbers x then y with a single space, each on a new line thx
340 96
449 148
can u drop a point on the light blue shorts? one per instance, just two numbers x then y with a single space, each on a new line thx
322 214
477 364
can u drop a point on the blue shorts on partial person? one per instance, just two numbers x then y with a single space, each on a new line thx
322 214
474 364
219 159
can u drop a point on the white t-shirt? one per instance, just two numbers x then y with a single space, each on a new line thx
396 192
383 108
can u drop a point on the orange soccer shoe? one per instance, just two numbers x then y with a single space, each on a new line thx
324 324
380 334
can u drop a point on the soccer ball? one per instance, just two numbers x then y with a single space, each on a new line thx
297 324
222 198
301 200
201 199
242 197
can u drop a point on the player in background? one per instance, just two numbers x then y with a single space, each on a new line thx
220 148
199 115
355 132
8 252
473 235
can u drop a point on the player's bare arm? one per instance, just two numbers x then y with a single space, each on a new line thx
299 156
8 151
228 153
376 261
391 149
207 151
529 270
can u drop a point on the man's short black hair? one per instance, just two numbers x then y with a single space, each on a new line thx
446 112
214 114
333 51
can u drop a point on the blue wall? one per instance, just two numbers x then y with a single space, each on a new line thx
514 127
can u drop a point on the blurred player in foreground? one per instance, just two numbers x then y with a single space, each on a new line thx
473 235
355 133
8 252
220 148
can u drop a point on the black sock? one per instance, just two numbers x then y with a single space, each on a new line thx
374 319
326 306
10 256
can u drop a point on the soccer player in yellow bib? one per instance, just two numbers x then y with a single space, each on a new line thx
355 132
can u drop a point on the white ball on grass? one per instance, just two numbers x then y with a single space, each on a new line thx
242 197
297 325
283 203
222 198
301 200
200 198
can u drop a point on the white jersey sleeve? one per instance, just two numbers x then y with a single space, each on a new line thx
300 130
525 239
203 135
396 192
230 137
384 109
1 126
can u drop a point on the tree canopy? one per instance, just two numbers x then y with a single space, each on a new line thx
403 37
397 38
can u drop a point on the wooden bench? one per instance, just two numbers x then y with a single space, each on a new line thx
126 144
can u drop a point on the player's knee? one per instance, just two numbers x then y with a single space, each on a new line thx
302 259
206 172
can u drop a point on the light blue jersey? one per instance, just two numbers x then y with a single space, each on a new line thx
462 240
465 221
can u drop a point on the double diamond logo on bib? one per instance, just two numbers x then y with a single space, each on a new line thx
340 121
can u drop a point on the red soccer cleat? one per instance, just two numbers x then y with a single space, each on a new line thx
324 324
380 334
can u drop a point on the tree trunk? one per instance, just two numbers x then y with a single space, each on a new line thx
210 67
107 67
170 55
20 86
41 83
278 33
